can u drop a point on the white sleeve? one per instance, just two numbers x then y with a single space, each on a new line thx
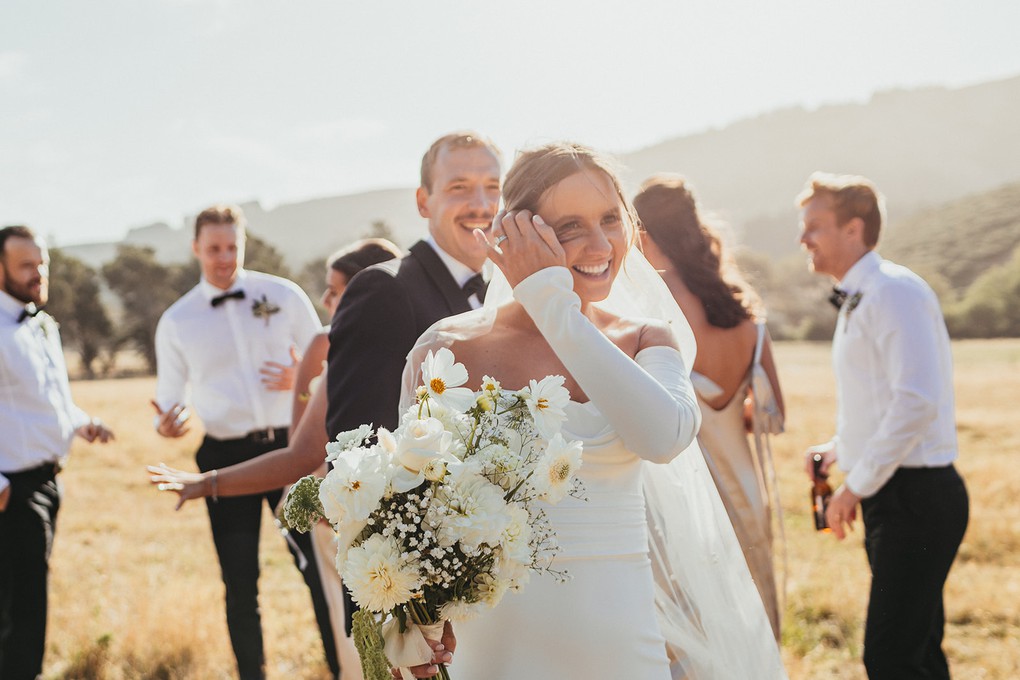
650 401
171 369
4 483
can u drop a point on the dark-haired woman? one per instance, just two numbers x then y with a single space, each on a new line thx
724 313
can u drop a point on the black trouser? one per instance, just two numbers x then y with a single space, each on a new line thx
26 540
912 529
235 527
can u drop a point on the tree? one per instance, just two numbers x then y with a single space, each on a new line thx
145 288
262 256
381 229
75 303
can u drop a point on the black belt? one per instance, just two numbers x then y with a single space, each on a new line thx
44 471
261 437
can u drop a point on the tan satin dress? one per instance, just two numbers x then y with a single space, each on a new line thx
739 476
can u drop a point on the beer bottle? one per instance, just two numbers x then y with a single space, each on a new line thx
821 493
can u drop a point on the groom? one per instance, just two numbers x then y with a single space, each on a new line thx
896 433
386 307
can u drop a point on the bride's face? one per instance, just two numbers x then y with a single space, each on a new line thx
591 224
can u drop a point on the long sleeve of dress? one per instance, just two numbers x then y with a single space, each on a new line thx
650 401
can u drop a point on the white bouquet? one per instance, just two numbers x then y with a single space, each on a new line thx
438 519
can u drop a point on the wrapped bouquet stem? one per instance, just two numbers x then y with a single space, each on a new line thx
438 519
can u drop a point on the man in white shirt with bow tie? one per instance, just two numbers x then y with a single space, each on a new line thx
896 430
38 420
228 342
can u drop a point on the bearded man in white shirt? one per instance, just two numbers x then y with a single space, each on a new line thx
231 341
896 431
38 420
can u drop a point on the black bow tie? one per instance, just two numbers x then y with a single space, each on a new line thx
475 286
29 310
838 297
218 300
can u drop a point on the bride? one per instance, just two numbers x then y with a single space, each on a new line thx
659 588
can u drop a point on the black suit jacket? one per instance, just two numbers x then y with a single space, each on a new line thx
384 310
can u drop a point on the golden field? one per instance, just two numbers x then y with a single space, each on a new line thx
135 588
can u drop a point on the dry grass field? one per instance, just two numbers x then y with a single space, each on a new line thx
136 590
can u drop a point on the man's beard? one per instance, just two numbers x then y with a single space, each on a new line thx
23 293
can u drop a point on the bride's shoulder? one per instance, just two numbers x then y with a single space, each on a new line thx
633 334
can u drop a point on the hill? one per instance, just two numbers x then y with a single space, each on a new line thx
922 148
961 239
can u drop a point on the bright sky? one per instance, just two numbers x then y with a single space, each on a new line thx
119 113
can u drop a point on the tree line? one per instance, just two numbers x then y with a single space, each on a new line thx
117 307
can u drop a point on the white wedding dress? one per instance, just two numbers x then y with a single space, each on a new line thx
659 586
601 623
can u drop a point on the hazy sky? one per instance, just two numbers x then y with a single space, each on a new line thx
118 113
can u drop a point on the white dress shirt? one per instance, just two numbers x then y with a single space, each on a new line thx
211 356
894 376
38 418
460 271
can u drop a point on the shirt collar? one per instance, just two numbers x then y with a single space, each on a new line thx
458 270
856 275
210 291
10 306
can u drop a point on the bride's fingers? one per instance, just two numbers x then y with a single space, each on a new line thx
509 224
548 235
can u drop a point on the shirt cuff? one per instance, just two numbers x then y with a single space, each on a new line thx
864 481
4 483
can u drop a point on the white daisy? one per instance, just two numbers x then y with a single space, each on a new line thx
443 377
545 399
555 471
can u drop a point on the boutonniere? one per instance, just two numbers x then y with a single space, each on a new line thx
851 304
264 309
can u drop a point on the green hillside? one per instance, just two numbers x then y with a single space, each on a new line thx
960 240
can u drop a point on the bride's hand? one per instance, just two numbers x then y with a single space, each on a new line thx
522 245
186 485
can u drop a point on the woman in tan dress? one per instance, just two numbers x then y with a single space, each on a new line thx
724 313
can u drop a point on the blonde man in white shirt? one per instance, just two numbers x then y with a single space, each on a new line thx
229 347
38 420
896 432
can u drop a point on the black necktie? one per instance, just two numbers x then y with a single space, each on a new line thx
29 310
475 286
218 300
838 297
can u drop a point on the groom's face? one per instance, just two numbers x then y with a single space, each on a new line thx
25 270
464 196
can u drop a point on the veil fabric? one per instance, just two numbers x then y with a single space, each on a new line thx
709 611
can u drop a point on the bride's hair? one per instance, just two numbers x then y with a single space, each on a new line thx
535 171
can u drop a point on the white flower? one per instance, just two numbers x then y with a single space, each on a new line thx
377 577
347 532
498 464
468 509
554 473
490 589
420 441
484 401
545 400
347 441
355 485
490 385
461 610
517 535
443 378
435 470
